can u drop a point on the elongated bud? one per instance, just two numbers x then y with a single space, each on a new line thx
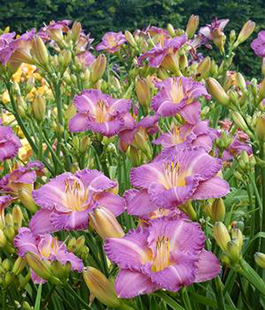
260 259
41 268
129 38
192 25
98 68
26 306
244 161
9 219
71 246
189 210
143 92
60 271
217 91
218 210
171 30
219 39
262 90
9 278
6 264
162 74
19 265
101 287
56 34
39 108
233 251
70 112
241 81
105 223
66 59
204 67
9 232
260 128
239 121
27 200
84 144
3 240
170 62
40 51
221 235
80 242
76 30
245 32
17 217
237 236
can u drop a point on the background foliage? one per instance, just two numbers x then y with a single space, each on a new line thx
99 16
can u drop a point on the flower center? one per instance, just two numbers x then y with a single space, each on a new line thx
173 177
177 91
162 256
111 41
101 114
76 195
176 139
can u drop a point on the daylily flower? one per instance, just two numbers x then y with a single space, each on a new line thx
168 254
5 201
9 143
158 55
48 248
189 175
258 45
179 95
99 112
200 135
216 26
86 58
23 177
67 200
237 147
54 31
111 42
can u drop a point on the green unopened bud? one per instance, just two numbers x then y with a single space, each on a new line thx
225 259
9 219
98 68
239 121
80 242
162 74
260 259
130 39
60 271
26 306
171 63
27 200
76 30
84 252
84 144
39 108
9 279
204 67
239 176
21 111
207 209
40 51
237 236
105 223
233 251
143 92
55 34
189 210
260 128
241 81
101 287
17 217
183 62
41 267
218 210
232 36
244 161
171 30
66 59
217 91
71 246
245 32
3 240
6 264
192 25
262 90
19 265
221 235
9 232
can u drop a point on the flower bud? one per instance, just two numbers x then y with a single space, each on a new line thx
241 81
27 200
232 36
162 74
84 144
55 34
101 287
41 268
9 278
6 264
171 30
233 251
129 38
39 108
143 92
217 91
66 59
204 67
237 236
170 62
17 217
192 25
3 240
80 242
239 121
19 265
71 246
262 90
60 271
221 235
105 223
9 219
260 128
76 30
219 39
245 32
244 161
218 210
260 259
9 232
26 306
40 51
97 68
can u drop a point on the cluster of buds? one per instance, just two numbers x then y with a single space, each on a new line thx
230 246
78 247
10 271
215 210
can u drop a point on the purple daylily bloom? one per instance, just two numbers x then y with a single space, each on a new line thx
111 42
216 25
179 95
164 48
86 58
198 135
9 143
258 45
168 254
99 112
21 177
54 30
235 148
48 248
67 200
189 175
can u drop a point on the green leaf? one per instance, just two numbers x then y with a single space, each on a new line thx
170 301
38 299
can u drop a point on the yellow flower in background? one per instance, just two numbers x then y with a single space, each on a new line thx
5 97
7 118
25 151
24 71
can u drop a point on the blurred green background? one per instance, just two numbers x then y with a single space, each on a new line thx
100 16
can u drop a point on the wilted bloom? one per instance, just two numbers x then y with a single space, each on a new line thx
111 42
186 136
23 177
189 175
99 112
47 248
216 25
67 200
5 201
9 143
157 55
168 254
258 45
179 95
